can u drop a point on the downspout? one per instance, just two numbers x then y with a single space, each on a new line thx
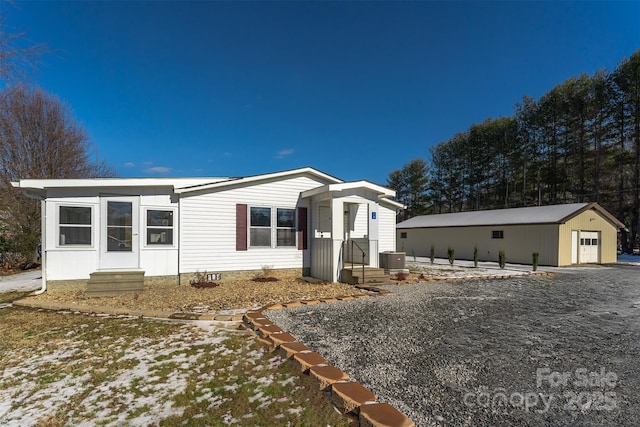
43 251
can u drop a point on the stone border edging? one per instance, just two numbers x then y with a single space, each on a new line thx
350 398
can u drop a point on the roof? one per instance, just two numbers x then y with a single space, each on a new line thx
383 192
43 184
37 187
342 186
179 185
257 178
553 214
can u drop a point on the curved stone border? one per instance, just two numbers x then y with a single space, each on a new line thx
349 397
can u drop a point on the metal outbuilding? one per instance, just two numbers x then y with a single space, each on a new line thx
577 233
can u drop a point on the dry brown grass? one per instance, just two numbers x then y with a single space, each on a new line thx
64 369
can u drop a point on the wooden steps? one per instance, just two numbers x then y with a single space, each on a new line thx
109 283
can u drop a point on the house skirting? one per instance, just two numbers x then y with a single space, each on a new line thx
182 279
225 276
81 284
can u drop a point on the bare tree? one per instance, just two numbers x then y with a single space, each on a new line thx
18 55
39 138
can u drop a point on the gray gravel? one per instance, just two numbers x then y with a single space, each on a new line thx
471 352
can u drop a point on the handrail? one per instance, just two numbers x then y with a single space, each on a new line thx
353 242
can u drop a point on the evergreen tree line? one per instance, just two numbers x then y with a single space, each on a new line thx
580 142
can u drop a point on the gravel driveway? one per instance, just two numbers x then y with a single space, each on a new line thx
553 350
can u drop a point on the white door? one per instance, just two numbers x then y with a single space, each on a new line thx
574 246
589 247
119 246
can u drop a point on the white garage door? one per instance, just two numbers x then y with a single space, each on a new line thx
589 246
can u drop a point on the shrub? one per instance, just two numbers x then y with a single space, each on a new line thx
267 271
432 254
266 275
502 259
201 280
536 256
198 277
451 255
475 256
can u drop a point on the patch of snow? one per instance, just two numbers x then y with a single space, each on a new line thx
296 411
629 259
288 381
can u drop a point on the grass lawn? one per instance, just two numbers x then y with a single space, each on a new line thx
68 369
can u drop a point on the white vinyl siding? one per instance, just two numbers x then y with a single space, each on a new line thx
73 262
386 229
208 227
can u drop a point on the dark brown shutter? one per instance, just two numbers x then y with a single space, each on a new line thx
241 227
302 228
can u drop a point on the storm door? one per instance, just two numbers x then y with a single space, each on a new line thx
119 247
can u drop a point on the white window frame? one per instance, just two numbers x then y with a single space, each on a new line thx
90 226
273 227
173 227
293 227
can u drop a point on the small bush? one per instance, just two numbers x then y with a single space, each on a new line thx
266 275
536 257
451 255
475 256
267 271
200 281
401 275
432 254
502 259
198 277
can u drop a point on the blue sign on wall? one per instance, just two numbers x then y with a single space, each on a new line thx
373 215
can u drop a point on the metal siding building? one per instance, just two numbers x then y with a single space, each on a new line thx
562 234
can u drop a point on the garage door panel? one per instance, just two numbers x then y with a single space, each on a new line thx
589 247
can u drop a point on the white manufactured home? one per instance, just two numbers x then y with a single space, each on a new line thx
562 235
167 229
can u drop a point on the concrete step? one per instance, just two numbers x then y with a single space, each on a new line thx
109 283
371 275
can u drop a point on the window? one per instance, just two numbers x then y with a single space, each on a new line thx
267 231
159 227
497 234
403 235
75 225
286 227
260 227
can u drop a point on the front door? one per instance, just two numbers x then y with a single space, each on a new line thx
119 245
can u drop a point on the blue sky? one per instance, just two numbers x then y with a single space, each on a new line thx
355 89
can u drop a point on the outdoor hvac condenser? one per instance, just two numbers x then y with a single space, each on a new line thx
392 260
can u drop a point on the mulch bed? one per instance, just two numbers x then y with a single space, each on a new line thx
244 294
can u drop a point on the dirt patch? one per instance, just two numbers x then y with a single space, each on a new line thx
265 279
229 295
